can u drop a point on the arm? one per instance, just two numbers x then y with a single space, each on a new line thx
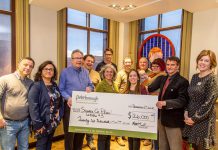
211 94
90 85
3 86
33 99
99 88
118 81
182 99
62 85
155 84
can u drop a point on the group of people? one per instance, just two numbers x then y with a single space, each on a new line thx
186 111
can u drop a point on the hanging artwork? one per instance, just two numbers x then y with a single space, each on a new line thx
156 46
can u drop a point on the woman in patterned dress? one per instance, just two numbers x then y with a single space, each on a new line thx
45 105
200 117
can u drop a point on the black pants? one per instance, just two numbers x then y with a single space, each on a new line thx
104 142
134 143
72 141
45 142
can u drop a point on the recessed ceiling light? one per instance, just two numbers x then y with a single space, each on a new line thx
123 8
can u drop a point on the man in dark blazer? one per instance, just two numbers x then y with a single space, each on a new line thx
172 100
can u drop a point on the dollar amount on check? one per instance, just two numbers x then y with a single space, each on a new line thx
114 114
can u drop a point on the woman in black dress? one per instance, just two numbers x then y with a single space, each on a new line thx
200 117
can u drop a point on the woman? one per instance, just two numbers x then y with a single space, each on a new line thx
158 67
133 87
45 105
107 85
200 116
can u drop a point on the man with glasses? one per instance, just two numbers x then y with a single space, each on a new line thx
14 113
108 54
73 78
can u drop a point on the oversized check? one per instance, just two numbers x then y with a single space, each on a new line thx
114 114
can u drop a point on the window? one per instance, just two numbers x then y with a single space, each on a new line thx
86 32
7 63
168 24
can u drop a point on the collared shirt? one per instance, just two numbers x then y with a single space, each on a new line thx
74 79
13 97
95 77
121 81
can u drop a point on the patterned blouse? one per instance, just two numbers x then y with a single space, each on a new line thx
203 93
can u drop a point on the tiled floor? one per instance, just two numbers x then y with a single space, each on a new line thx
59 145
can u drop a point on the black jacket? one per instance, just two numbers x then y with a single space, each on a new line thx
39 105
176 97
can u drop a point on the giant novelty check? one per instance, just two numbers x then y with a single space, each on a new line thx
114 114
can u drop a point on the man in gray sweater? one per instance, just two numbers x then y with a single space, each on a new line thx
14 113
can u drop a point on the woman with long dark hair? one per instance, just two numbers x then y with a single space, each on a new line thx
45 105
133 87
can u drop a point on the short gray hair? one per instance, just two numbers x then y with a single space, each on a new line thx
76 51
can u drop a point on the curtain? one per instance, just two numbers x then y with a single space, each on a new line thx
62 39
22 29
114 39
186 43
133 41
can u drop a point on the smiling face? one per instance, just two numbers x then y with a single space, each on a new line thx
127 64
25 67
155 68
204 63
143 63
77 59
108 74
108 57
48 72
133 77
88 63
172 67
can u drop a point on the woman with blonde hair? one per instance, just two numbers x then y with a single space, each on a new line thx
107 85
200 116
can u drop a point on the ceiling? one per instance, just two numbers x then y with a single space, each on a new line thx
144 8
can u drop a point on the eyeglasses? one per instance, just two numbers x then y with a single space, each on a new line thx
155 66
48 69
77 58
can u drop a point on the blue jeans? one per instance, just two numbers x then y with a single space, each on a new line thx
15 130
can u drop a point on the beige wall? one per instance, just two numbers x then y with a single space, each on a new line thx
204 35
123 43
43 35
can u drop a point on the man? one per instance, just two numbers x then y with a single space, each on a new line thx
121 82
173 97
14 114
108 54
143 70
89 61
73 78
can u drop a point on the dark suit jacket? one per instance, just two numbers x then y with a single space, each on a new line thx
39 105
176 97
